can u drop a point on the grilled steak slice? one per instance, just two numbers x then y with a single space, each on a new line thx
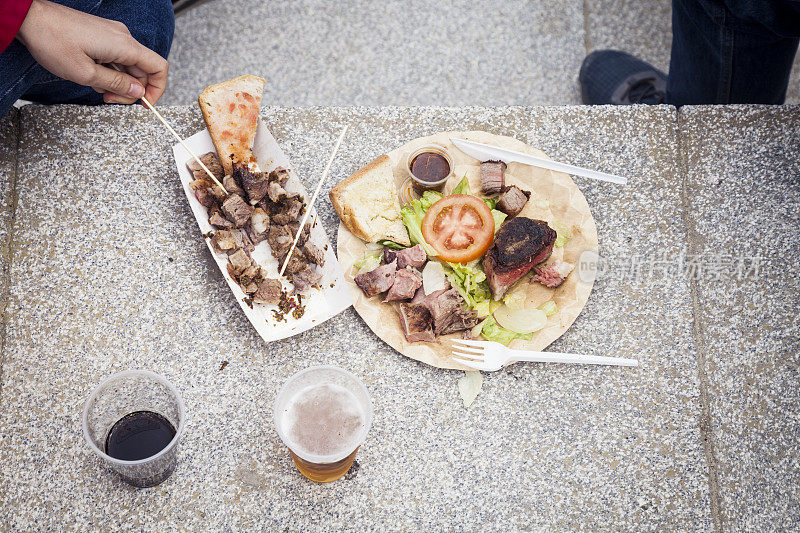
211 161
406 283
378 280
269 292
255 184
293 227
413 257
553 274
513 200
492 179
237 210
416 322
519 245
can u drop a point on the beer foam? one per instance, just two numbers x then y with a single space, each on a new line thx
323 419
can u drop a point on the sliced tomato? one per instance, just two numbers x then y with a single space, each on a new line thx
460 227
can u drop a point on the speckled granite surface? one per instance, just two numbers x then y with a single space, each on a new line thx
743 192
384 53
109 273
413 53
9 137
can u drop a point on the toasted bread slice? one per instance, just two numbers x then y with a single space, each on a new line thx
367 203
230 110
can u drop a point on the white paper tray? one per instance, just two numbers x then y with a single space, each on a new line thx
320 304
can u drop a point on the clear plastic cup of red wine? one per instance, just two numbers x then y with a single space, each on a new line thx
133 421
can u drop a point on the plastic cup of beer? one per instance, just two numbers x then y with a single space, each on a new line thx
322 415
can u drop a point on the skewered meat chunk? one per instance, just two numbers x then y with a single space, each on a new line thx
406 283
269 292
219 221
254 183
231 186
513 200
257 226
237 210
275 191
288 210
202 191
416 322
297 262
377 280
280 240
211 161
281 175
239 262
492 179
413 257
243 241
223 241
306 278
519 245
293 227
313 253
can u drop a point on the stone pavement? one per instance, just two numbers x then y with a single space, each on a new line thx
412 52
105 270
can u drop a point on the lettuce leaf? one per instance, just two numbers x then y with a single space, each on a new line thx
462 187
470 281
499 217
391 244
492 331
491 202
412 215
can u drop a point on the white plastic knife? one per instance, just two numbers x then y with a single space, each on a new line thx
487 152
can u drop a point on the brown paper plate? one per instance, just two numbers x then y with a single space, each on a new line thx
555 196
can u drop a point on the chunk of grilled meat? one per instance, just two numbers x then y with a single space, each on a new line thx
377 280
519 245
513 200
416 321
406 282
237 210
413 257
492 178
255 184
211 161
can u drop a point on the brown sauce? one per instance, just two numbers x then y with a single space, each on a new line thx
431 167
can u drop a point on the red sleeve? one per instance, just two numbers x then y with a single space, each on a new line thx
12 13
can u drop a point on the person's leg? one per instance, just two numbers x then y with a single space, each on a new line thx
151 22
719 58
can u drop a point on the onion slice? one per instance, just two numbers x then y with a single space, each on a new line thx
520 320
433 278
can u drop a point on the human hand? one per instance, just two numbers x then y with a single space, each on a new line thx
76 46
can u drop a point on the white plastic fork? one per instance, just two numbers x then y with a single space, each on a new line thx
490 356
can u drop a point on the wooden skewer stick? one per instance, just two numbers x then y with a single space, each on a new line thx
191 153
313 199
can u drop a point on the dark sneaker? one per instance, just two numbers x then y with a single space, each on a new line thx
614 77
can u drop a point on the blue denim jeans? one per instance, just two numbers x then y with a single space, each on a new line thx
732 51
151 22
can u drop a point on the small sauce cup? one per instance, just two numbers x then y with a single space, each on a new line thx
433 166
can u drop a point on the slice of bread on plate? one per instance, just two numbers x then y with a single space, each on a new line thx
368 205
230 110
